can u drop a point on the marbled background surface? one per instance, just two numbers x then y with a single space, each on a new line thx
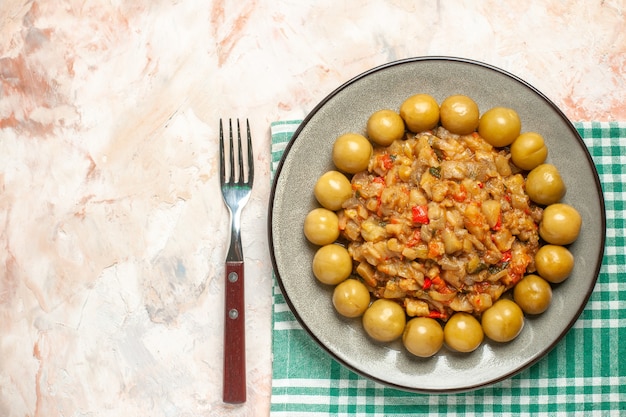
113 231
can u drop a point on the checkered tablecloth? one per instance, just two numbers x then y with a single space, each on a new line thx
584 375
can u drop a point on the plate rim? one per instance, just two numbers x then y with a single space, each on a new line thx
596 178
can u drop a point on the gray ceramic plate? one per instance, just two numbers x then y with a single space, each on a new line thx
309 155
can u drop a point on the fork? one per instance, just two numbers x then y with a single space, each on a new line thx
236 188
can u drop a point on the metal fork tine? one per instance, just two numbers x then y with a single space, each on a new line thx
231 156
240 154
250 156
222 168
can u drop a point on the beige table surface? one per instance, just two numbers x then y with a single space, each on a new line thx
113 228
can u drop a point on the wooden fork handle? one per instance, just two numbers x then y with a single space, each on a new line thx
234 388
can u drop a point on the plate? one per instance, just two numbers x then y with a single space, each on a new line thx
308 156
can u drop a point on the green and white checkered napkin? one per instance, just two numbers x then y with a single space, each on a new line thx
584 375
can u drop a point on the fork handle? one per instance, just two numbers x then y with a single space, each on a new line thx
234 387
